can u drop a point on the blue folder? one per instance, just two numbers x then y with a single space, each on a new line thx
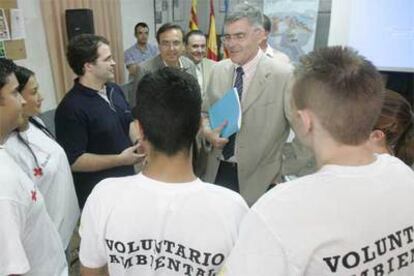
228 109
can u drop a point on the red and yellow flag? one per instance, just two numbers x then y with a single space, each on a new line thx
223 51
193 24
212 51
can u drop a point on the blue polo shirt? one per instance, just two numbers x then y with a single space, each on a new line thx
86 123
135 55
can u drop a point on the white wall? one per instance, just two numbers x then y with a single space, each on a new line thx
339 27
132 12
36 49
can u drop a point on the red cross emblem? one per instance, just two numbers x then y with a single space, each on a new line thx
34 196
38 171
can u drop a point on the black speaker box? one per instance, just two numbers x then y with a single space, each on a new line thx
79 21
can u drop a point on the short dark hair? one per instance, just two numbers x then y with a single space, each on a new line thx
140 24
23 75
82 49
267 25
190 33
166 27
168 107
343 89
7 67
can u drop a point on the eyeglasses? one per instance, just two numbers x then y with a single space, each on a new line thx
237 37
168 44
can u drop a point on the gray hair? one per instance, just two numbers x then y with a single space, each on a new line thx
244 10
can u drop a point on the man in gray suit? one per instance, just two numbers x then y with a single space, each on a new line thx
250 161
195 47
170 38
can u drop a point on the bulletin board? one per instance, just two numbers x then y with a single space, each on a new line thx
163 12
12 48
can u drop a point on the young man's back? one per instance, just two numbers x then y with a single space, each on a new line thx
164 221
157 228
355 215
342 220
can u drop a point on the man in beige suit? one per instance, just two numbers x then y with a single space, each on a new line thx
195 48
255 162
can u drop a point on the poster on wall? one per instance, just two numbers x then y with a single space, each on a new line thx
163 12
293 25
17 24
158 12
4 28
178 10
2 50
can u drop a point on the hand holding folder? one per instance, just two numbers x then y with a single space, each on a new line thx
227 109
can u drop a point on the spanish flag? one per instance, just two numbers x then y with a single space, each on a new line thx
193 24
223 51
212 52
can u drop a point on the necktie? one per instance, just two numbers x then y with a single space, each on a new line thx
228 150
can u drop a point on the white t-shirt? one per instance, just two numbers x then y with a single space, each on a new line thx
339 221
55 183
30 244
139 226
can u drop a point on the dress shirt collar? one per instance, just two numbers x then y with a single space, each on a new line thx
249 70
180 64
250 66
142 50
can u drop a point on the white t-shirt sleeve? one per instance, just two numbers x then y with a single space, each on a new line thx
257 251
13 259
92 245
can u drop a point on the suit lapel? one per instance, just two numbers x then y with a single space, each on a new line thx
205 68
257 85
159 63
228 82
